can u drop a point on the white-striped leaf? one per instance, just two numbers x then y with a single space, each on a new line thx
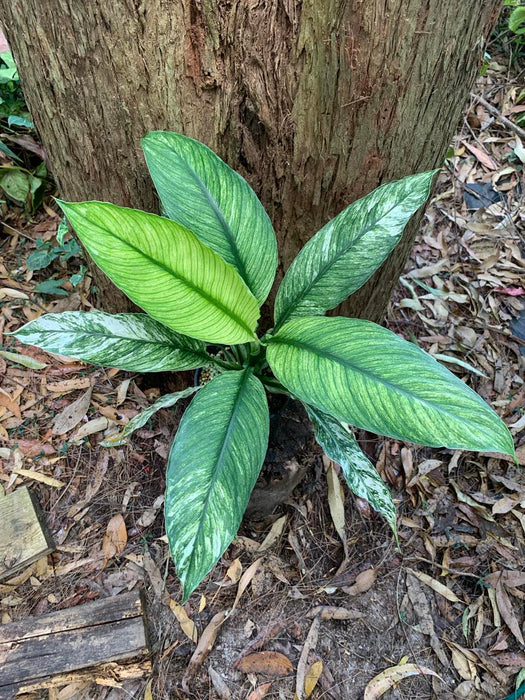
348 250
367 376
361 476
213 466
167 271
133 342
198 190
143 417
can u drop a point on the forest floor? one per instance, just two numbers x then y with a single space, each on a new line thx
307 603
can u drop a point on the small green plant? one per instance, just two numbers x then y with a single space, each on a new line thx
202 275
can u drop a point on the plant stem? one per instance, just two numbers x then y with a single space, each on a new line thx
274 386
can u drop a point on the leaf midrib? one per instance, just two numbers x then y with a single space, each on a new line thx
322 271
346 363
219 462
238 262
188 283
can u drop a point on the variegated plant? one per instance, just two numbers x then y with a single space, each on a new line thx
201 274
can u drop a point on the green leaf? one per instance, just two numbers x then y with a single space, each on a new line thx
361 476
52 287
348 250
199 191
167 271
133 342
517 17
16 184
15 120
367 376
23 360
143 417
209 480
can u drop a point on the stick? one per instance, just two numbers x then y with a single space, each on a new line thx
496 113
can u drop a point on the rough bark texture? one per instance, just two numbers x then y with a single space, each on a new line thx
315 102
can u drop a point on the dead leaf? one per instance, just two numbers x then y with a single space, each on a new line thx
68 385
507 612
7 402
149 515
330 612
259 692
483 158
219 684
391 676
302 667
275 533
116 537
336 505
186 623
203 648
38 476
270 663
312 677
90 428
245 580
234 571
71 416
435 585
148 695
363 582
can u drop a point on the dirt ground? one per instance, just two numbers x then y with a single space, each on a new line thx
300 603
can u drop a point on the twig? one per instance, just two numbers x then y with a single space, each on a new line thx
496 113
17 232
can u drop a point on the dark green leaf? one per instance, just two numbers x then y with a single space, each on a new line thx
361 476
201 192
349 249
213 466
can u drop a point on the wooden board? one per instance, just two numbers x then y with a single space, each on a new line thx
34 650
24 536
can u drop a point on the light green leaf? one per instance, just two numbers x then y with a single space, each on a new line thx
143 417
361 476
134 342
348 250
199 191
23 360
167 271
367 376
213 466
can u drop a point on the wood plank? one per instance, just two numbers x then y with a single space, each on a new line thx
98 632
24 537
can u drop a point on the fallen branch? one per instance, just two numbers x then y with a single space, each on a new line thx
497 114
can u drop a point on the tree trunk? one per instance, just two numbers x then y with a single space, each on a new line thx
315 102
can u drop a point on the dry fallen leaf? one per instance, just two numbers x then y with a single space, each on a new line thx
71 416
275 533
203 648
38 476
67 385
270 663
7 402
312 677
336 505
219 684
116 537
330 612
363 582
186 623
260 692
435 585
245 580
234 571
385 680
302 666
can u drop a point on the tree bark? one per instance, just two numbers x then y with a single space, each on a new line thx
315 102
